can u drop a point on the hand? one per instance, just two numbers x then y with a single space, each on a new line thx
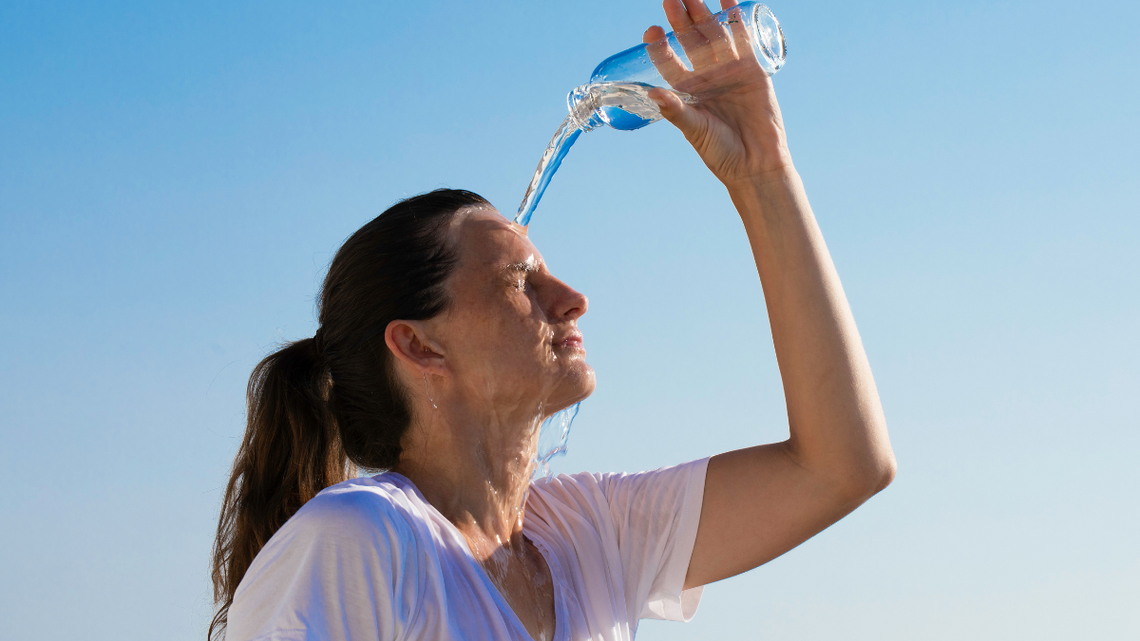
736 126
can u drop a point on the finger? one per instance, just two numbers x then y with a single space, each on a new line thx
740 39
727 4
720 41
663 57
698 11
653 34
677 15
675 111
697 47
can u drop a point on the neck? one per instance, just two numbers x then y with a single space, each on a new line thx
475 469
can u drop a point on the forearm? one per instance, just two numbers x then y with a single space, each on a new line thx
837 427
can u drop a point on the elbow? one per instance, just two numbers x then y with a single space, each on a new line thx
886 472
875 465
868 477
856 470
875 475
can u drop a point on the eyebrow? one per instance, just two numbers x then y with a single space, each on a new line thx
526 266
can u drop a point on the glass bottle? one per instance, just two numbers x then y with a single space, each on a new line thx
617 92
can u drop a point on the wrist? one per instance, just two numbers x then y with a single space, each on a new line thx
771 165
777 179
770 200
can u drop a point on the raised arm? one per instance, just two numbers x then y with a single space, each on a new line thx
762 501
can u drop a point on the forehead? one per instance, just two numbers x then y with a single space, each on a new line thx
486 239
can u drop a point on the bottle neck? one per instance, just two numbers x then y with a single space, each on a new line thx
583 104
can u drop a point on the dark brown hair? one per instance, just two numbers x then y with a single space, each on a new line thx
321 407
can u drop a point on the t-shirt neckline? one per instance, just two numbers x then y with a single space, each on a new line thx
561 631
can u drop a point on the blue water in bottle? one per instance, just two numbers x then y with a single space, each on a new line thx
617 94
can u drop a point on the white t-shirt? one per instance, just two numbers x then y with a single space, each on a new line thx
370 559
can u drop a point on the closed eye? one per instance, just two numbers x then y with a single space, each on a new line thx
519 273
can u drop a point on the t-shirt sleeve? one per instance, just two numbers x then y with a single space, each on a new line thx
655 516
342 568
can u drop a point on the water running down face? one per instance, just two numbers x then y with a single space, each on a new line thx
504 354
510 331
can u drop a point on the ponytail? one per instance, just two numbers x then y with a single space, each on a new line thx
291 451
321 408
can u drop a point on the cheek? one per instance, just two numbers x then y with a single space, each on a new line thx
501 339
517 327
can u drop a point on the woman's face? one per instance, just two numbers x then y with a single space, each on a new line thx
510 333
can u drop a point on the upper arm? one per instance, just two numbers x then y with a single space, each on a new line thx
759 502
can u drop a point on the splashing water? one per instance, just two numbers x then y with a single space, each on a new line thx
552 437
621 105
551 159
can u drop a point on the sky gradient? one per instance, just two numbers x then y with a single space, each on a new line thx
175 177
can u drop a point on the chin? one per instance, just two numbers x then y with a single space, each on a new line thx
576 386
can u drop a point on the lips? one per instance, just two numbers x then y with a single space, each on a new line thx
572 340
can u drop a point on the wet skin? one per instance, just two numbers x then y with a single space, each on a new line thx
482 376
506 353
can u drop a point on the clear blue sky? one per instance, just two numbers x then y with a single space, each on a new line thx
175 176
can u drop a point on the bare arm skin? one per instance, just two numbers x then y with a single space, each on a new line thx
762 501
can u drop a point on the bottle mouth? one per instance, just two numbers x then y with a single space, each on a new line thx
767 37
582 103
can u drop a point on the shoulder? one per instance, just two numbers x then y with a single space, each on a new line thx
358 503
606 488
360 537
613 502
572 500
364 522
580 492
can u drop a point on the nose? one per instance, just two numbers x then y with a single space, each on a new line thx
569 304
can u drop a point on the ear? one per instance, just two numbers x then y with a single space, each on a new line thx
409 343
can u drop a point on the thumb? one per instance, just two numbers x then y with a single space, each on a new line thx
675 110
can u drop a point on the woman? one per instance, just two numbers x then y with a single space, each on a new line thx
444 341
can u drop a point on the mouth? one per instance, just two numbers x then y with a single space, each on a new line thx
572 340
